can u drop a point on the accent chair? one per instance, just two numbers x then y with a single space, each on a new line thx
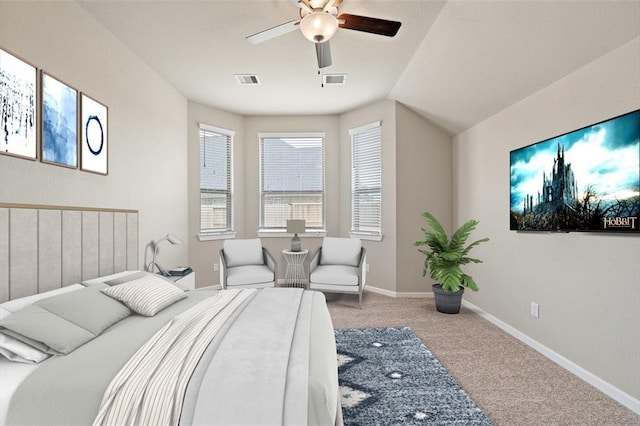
339 266
246 263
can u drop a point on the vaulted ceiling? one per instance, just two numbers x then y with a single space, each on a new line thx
454 62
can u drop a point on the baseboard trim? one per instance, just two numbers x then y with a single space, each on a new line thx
396 294
595 381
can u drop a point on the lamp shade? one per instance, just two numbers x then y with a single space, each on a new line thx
296 226
319 26
173 239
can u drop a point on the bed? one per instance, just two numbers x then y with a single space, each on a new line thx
270 360
129 347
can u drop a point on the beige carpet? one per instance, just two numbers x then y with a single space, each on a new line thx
511 382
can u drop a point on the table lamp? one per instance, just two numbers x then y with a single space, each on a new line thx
173 240
296 227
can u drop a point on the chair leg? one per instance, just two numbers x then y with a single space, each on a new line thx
360 300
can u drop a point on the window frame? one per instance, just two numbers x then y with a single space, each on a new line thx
355 230
228 231
281 231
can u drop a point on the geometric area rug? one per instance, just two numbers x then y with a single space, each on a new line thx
387 376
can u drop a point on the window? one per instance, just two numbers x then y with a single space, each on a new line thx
291 180
216 202
366 180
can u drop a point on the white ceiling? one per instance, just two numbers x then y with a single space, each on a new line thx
454 62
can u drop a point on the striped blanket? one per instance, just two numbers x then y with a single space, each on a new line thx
150 388
275 354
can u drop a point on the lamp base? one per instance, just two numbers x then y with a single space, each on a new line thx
296 243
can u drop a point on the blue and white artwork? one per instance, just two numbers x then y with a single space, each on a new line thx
584 180
93 140
59 123
18 112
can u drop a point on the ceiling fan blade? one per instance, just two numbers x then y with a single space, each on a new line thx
369 25
273 32
323 53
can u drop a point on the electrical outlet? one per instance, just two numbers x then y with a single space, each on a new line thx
534 310
216 267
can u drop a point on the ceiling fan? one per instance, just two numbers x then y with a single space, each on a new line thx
319 21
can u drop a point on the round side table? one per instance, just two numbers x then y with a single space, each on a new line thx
295 276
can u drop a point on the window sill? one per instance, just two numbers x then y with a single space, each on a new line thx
367 237
283 234
212 237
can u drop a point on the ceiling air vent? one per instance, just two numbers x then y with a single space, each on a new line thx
335 79
245 79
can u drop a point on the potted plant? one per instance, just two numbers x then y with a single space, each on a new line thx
443 258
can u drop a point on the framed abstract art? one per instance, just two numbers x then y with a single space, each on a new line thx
18 110
93 136
59 123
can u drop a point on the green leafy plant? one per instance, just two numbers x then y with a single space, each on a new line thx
445 255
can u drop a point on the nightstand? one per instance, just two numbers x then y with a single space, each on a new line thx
185 282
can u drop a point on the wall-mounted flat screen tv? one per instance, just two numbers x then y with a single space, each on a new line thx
584 180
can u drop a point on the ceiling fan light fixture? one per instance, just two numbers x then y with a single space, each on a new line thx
319 26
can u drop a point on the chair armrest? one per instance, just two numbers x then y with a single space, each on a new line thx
223 270
314 260
362 269
271 262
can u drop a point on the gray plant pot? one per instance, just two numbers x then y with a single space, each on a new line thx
447 302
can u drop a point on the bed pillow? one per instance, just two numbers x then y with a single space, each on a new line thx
126 278
16 304
59 324
88 308
14 350
146 295
113 279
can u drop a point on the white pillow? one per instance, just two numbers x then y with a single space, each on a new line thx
243 252
146 295
16 304
341 251
15 350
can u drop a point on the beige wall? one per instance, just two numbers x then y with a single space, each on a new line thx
147 124
423 147
587 285
203 254
423 183
329 124
380 254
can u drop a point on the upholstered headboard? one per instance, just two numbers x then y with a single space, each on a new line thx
47 247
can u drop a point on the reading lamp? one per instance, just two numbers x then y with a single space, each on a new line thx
296 227
173 240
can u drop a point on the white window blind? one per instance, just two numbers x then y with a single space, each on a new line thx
366 180
216 202
291 180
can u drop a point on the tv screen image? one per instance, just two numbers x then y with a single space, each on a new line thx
584 180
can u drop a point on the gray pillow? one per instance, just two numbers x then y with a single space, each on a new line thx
45 331
88 308
60 324
126 278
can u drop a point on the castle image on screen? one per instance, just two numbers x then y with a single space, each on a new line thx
585 180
